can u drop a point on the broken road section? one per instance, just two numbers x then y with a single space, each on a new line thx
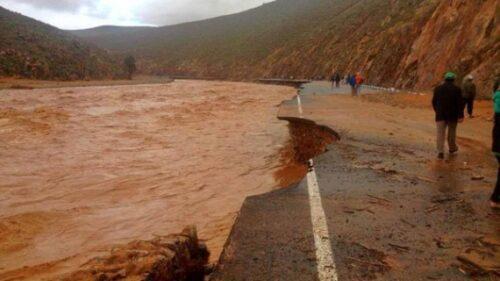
393 211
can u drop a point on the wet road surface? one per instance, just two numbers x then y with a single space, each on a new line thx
393 212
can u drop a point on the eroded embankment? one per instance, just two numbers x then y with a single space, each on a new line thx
307 140
183 256
165 258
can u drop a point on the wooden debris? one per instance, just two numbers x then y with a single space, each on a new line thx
477 177
483 260
367 262
378 198
445 199
399 247
408 223
432 209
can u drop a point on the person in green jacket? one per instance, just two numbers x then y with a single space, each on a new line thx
495 197
469 94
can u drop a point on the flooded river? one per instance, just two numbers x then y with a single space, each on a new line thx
83 169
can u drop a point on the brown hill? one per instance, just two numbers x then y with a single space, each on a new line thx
32 49
407 43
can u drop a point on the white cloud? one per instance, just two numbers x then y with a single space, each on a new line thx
75 14
66 5
172 11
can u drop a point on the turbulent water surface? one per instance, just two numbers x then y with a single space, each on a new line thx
82 169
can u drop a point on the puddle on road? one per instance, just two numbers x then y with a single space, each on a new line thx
445 173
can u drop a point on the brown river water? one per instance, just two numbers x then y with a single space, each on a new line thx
83 169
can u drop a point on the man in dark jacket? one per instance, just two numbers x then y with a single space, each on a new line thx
337 79
469 94
352 83
449 107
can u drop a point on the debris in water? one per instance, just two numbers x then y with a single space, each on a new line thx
171 258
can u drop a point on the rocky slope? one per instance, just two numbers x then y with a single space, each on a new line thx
32 49
463 36
394 42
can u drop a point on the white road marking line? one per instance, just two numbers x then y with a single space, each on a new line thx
327 271
299 104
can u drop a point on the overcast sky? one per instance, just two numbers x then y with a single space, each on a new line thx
78 14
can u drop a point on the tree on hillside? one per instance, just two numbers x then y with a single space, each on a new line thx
130 66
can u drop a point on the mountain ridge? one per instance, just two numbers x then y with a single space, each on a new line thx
391 41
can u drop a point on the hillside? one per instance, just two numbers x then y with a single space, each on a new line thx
398 42
32 49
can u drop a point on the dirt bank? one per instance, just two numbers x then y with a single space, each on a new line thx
84 169
307 140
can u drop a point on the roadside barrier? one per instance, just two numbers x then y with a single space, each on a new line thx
390 90
378 88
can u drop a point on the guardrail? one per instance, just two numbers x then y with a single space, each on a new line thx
297 83
378 88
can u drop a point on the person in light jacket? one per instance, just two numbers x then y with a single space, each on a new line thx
469 94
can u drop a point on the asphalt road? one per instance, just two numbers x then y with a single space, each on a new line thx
384 222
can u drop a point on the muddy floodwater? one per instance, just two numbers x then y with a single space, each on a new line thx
83 169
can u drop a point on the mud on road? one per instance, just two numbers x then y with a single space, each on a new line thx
395 212
83 169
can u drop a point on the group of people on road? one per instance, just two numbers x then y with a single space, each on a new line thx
336 78
449 102
354 80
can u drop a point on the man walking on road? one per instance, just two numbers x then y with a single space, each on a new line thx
352 83
335 79
449 108
332 79
469 94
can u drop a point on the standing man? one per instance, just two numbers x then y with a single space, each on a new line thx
469 94
337 79
352 83
332 79
448 106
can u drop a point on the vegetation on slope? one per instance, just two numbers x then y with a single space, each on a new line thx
32 49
